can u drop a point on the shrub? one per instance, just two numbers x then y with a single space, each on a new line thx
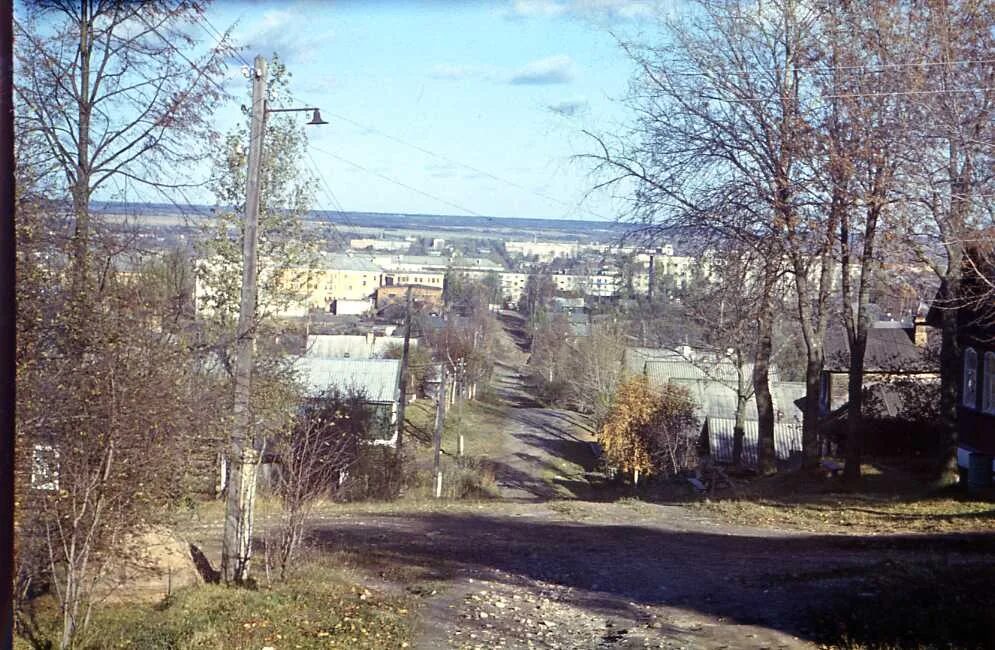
650 431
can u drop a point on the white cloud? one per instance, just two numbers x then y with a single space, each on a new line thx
603 9
287 33
551 70
556 69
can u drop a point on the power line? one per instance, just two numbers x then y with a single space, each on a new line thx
217 34
399 183
183 56
477 170
912 92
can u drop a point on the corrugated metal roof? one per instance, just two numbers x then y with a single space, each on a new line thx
714 399
787 438
635 358
345 346
660 371
718 399
377 378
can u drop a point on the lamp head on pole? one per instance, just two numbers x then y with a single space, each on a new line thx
316 119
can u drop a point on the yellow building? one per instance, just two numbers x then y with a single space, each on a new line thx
292 292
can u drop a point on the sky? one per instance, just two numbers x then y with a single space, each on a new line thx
429 104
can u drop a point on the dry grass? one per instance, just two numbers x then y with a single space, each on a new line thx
317 607
889 499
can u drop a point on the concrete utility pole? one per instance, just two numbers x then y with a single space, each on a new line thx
440 420
244 458
404 376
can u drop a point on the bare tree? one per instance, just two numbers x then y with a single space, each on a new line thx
867 51
723 146
108 88
314 454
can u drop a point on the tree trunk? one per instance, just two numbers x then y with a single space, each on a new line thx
855 406
766 454
950 373
739 431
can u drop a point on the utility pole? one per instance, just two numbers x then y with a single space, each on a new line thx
399 449
440 420
652 277
244 458
404 373
7 324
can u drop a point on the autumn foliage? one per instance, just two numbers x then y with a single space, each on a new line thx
650 430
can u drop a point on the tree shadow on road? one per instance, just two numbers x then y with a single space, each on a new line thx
797 584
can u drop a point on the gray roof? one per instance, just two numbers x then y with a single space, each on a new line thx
660 365
787 438
343 262
888 350
347 346
635 358
661 370
718 400
377 378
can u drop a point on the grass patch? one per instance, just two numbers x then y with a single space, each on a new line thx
316 607
928 605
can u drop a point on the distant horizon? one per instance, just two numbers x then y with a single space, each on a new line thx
174 208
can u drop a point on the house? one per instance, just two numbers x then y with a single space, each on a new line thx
892 353
975 308
900 388
346 346
377 379
397 294
712 384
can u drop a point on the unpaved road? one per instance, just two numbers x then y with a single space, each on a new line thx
543 568
547 566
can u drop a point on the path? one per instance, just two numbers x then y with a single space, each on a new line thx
546 452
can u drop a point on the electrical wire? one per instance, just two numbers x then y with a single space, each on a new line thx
399 183
472 168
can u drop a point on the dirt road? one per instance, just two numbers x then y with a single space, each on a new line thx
550 566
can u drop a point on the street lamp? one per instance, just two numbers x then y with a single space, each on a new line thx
315 117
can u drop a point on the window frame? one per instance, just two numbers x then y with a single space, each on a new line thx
988 383
969 370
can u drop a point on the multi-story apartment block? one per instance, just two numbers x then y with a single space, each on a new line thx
545 251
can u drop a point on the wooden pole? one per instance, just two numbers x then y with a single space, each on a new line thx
236 549
8 309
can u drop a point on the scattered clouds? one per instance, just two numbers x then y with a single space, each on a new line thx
557 69
285 32
603 9
569 107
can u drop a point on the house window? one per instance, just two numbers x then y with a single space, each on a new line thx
988 394
970 385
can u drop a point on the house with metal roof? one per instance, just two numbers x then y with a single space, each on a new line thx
377 379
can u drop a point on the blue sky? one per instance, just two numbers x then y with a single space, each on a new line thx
502 87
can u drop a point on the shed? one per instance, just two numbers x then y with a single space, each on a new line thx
718 437
377 379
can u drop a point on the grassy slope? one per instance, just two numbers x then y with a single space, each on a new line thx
316 607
